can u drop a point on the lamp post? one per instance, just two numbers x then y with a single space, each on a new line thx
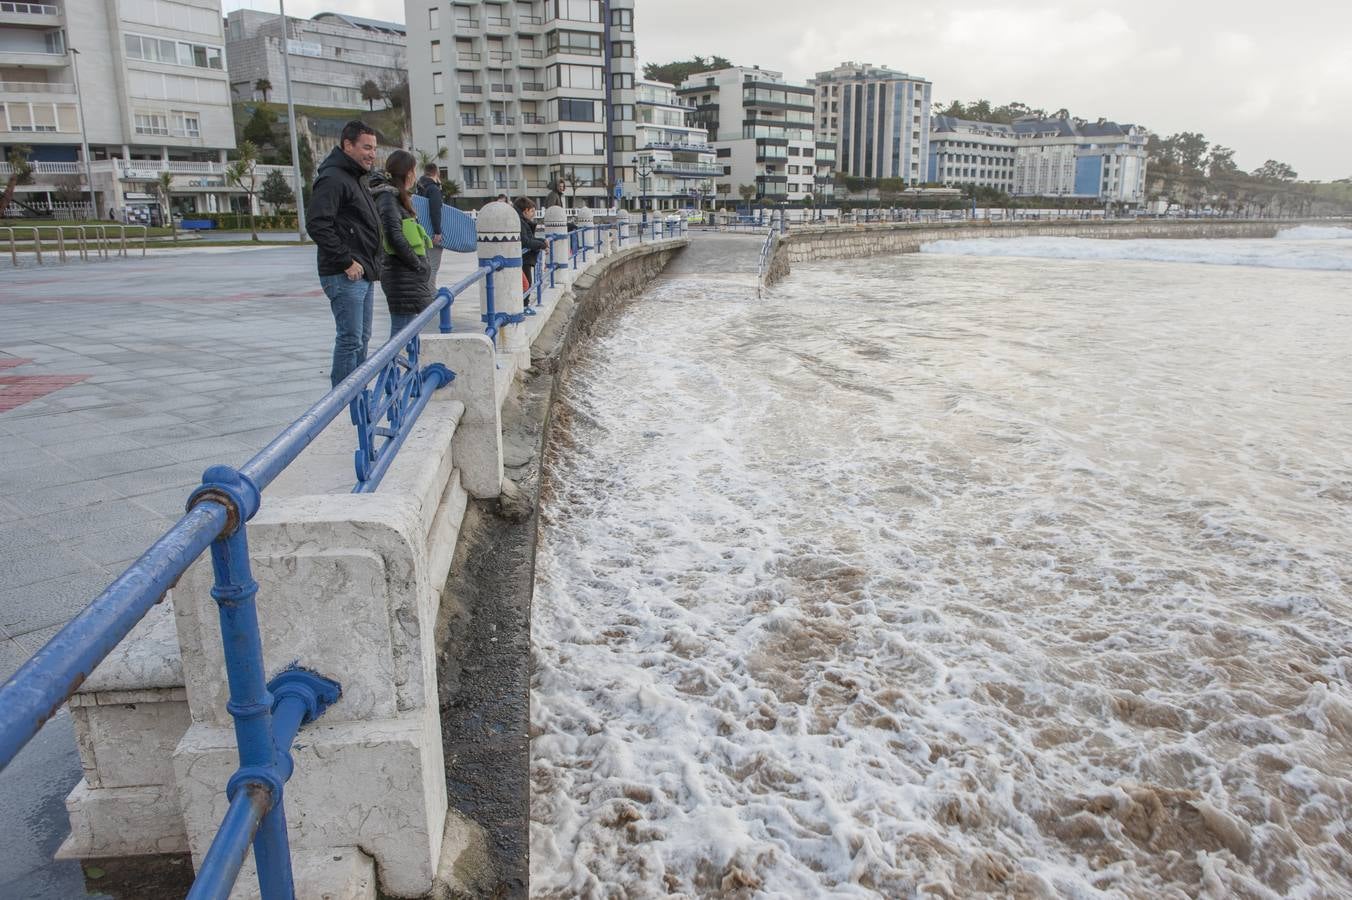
84 133
643 167
291 125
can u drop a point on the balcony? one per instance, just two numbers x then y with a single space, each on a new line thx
471 88
500 121
530 20
533 87
500 89
499 56
537 151
528 53
678 145
504 153
466 24
474 153
470 121
36 87
499 22
676 167
533 119
467 57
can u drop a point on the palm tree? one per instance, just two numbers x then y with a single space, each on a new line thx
425 159
243 173
164 187
20 172
370 92
264 87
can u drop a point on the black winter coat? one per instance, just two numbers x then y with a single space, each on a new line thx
432 191
342 218
404 274
530 245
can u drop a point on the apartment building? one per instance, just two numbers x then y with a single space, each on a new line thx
140 84
878 118
331 56
762 131
521 92
1042 158
675 163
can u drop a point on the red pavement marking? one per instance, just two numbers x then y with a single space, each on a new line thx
16 390
13 362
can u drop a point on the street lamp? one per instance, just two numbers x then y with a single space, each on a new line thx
291 125
643 167
84 134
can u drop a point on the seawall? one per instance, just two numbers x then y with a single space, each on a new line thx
817 242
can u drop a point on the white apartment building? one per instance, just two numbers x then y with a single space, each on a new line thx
151 85
762 130
675 163
521 92
1042 158
878 118
331 56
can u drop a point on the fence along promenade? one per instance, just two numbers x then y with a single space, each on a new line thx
186 742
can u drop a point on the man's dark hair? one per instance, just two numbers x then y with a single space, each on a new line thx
430 169
353 131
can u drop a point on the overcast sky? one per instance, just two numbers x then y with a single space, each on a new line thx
1272 80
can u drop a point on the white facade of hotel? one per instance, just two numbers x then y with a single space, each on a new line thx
679 160
520 92
331 56
878 118
154 91
762 130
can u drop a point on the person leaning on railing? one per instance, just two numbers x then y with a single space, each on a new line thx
404 270
343 223
530 244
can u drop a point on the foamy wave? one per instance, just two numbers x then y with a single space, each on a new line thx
1315 233
1264 254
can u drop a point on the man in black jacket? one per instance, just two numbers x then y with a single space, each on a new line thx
430 187
343 222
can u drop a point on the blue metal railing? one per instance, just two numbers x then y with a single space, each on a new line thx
385 396
764 261
267 714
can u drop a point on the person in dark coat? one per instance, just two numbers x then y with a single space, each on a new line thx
530 244
429 186
343 223
404 269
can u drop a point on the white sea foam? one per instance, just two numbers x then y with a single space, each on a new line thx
933 579
1315 233
1291 253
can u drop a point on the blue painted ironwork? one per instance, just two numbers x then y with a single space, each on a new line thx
385 412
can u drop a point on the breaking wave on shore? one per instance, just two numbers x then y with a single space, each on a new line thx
951 578
1317 251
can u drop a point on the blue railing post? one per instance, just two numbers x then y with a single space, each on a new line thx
250 702
540 278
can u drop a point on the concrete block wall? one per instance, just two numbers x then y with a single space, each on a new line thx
349 586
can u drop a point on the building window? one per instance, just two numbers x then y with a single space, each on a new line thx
173 53
622 19
433 19
575 10
436 51
187 124
439 114
151 123
621 49
581 43
622 81
621 112
438 84
576 110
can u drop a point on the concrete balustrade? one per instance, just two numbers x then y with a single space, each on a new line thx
350 585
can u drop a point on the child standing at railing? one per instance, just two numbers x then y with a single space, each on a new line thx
530 244
404 276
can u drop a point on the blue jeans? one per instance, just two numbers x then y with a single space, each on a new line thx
351 302
399 322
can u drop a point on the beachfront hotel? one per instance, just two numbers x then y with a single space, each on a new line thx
139 85
762 130
1041 158
518 93
878 118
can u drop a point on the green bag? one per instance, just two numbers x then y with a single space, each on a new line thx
417 238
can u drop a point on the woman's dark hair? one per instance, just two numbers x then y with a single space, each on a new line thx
523 203
400 163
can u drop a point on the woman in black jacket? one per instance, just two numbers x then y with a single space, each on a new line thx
403 277
530 244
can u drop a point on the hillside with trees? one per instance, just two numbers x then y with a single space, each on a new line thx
674 73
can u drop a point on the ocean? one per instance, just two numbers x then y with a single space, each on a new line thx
1014 567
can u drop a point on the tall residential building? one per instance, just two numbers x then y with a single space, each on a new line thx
676 163
520 92
1042 158
878 118
331 56
761 128
153 89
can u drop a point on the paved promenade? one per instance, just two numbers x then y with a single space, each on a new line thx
120 382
